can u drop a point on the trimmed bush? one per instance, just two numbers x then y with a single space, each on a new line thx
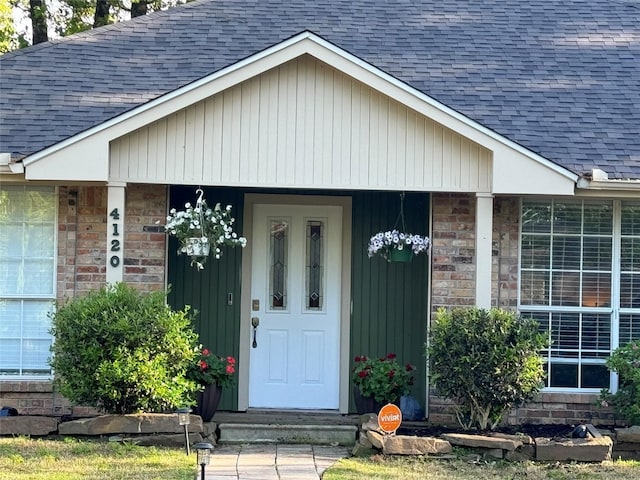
123 351
625 361
486 361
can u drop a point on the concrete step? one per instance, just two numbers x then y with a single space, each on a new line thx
233 433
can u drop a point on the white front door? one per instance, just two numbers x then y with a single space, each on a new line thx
295 297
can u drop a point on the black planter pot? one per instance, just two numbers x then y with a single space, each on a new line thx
207 402
366 404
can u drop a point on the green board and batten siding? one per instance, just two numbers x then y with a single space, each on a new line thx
389 313
389 307
217 322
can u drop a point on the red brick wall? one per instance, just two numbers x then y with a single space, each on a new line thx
82 230
567 408
453 253
506 228
82 239
145 241
91 239
547 408
453 250
453 277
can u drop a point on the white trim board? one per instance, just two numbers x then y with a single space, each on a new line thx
85 156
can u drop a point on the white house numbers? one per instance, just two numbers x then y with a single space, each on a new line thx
115 251
115 233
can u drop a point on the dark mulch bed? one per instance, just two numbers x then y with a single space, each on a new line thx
533 430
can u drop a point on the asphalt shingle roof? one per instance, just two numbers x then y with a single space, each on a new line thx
560 77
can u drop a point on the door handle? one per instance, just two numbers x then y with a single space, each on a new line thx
255 321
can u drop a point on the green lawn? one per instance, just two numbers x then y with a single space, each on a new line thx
70 459
423 468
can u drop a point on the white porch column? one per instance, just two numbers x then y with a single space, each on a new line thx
484 230
115 231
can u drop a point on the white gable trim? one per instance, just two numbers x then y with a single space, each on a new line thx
85 157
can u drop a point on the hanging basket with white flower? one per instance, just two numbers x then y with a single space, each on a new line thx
398 245
202 231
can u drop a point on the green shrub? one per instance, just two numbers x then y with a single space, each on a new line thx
485 361
123 351
625 361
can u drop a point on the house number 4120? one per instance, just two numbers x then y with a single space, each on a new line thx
114 260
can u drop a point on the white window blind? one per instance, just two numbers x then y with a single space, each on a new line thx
27 278
567 273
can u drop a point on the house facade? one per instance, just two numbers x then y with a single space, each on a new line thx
313 133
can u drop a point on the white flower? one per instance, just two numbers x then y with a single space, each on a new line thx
213 226
383 242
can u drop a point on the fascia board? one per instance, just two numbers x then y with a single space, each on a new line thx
72 156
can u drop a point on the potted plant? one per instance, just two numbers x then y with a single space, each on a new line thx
397 246
380 381
199 229
212 373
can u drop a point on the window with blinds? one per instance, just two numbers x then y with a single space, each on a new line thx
569 277
27 278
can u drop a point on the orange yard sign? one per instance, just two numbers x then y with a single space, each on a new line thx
389 418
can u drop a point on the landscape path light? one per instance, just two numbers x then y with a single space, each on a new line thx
184 418
203 450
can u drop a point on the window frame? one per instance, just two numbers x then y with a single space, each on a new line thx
613 310
22 298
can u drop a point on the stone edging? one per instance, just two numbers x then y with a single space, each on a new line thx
142 429
593 448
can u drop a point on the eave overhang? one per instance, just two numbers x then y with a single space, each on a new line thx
85 156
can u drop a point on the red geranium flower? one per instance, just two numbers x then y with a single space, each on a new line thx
210 369
383 378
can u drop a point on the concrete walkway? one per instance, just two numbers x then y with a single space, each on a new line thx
272 462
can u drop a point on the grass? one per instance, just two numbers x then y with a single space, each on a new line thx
424 468
24 458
